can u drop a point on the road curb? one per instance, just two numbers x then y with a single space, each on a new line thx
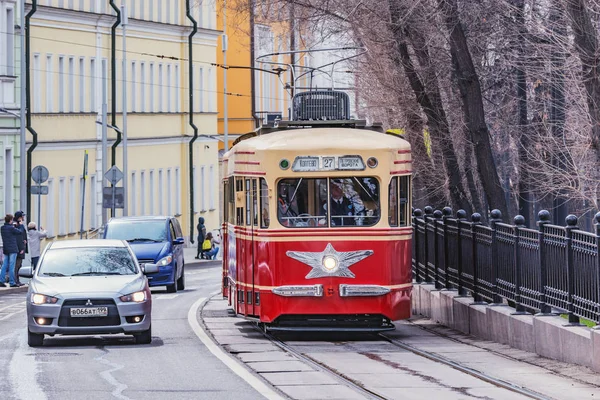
10 290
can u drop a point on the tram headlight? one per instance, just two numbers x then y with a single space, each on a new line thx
330 263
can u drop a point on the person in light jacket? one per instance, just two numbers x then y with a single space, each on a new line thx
34 238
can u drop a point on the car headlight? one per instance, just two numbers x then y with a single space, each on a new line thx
137 297
37 298
165 261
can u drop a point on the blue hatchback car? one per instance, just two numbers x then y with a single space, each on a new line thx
154 240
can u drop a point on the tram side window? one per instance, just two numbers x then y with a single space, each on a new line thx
393 202
254 203
300 202
248 220
399 201
264 204
226 201
404 200
231 198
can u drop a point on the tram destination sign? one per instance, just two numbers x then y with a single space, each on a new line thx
328 163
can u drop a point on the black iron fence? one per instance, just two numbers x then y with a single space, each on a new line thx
550 269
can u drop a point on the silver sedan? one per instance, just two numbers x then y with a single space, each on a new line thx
88 287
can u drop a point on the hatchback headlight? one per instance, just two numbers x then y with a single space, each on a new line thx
165 261
137 297
37 298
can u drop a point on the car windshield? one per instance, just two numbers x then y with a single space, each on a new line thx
137 231
87 261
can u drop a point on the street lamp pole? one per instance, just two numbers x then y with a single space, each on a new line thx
124 20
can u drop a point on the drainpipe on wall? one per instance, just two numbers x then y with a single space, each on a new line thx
28 101
113 83
191 113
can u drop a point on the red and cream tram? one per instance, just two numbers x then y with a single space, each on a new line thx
316 229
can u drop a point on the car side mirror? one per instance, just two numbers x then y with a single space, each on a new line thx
149 268
26 272
178 241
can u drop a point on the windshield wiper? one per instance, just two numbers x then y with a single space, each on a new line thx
96 273
143 240
53 274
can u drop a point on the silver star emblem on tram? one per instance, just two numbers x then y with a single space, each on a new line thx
330 262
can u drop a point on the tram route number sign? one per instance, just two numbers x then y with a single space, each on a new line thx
328 163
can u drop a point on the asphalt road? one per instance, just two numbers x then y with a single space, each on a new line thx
175 366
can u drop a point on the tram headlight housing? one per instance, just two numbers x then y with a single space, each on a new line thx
330 263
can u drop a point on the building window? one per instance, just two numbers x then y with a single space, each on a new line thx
61 85
168 7
201 190
93 205
142 192
8 181
195 176
37 84
210 90
211 185
177 192
160 192
142 9
151 107
93 85
81 84
50 211
151 10
131 10
133 87
71 84
151 193
62 207
159 11
49 84
70 5
201 89
177 83
9 34
72 205
81 5
143 86
105 80
176 13
133 191
160 88
169 88
169 193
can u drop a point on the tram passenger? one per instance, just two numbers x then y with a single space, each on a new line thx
343 210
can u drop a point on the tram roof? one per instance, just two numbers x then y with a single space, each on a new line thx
318 139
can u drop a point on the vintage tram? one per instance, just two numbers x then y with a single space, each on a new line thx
316 230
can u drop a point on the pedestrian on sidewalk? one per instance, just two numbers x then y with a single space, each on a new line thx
35 237
10 236
20 224
2 279
201 235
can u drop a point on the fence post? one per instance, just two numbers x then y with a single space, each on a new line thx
437 214
543 219
461 215
447 213
519 221
571 221
597 218
428 217
496 217
416 214
475 220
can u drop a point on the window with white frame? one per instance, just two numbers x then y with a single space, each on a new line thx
104 74
93 205
61 84
133 192
151 10
142 192
70 5
201 14
143 86
72 204
133 87
169 193
160 191
37 84
177 92
211 92
151 71
201 90
61 3
81 5
195 176
131 10
151 192
160 88
169 88
50 212
201 190
211 12
142 9
62 207
81 84
168 9
71 84
8 185
176 13
9 34
92 6
177 192
159 10
93 85
49 84
211 186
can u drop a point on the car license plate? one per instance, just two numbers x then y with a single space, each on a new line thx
89 312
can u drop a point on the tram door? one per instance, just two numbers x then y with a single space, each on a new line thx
251 205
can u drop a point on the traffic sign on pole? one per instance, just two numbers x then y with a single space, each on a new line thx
113 175
40 174
39 190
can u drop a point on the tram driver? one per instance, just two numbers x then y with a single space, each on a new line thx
343 210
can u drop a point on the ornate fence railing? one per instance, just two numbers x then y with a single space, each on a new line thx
550 269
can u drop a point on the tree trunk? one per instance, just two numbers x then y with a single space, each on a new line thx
431 103
470 89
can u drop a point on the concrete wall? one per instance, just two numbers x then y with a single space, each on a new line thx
547 335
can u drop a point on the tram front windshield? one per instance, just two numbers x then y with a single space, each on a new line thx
328 202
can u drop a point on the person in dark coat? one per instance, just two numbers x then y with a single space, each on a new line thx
10 238
342 209
23 249
201 235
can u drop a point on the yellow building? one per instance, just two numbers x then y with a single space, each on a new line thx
71 64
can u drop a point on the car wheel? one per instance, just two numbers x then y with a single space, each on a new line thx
181 281
144 337
173 288
35 339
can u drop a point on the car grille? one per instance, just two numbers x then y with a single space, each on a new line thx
113 318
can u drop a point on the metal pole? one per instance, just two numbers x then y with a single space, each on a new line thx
104 143
124 25
39 211
85 163
23 143
225 109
